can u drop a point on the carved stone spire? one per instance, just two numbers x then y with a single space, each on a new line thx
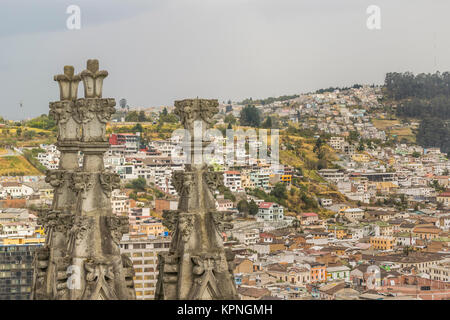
81 258
197 267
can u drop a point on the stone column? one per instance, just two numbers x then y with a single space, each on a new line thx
197 267
91 265
51 261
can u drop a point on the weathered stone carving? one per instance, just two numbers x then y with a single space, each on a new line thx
185 225
93 115
222 220
205 284
41 262
118 226
81 226
170 219
109 181
214 180
55 220
182 182
81 258
190 110
196 266
54 177
129 274
100 281
82 181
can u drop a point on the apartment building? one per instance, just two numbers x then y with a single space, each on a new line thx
383 243
232 180
247 237
440 272
143 252
16 270
337 142
120 202
130 140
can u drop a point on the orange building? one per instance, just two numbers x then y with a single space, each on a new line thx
318 272
286 178
382 243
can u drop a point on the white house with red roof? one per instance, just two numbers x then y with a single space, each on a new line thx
270 211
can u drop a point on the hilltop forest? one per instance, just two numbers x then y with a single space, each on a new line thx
425 97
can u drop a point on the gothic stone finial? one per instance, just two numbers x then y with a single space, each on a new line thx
191 110
68 84
93 79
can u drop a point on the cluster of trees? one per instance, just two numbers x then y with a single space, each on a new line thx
164 117
250 116
434 132
261 194
425 97
247 208
306 133
419 108
135 116
42 122
268 100
332 89
139 184
407 85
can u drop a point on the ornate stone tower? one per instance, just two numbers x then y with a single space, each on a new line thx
81 257
197 267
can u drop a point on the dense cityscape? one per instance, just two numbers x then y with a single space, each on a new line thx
356 208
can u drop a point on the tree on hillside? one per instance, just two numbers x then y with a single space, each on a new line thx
434 132
252 208
353 136
318 146
279 191
142 117
267 124
137 128
229 118
250 116
41 122
243 207
138 184
132 116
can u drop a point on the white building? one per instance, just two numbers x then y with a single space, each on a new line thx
270 211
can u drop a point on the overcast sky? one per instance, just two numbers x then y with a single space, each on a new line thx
157 51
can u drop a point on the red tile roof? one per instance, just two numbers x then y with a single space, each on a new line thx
266 205
232 172
309 214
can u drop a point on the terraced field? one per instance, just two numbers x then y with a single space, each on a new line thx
17 166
